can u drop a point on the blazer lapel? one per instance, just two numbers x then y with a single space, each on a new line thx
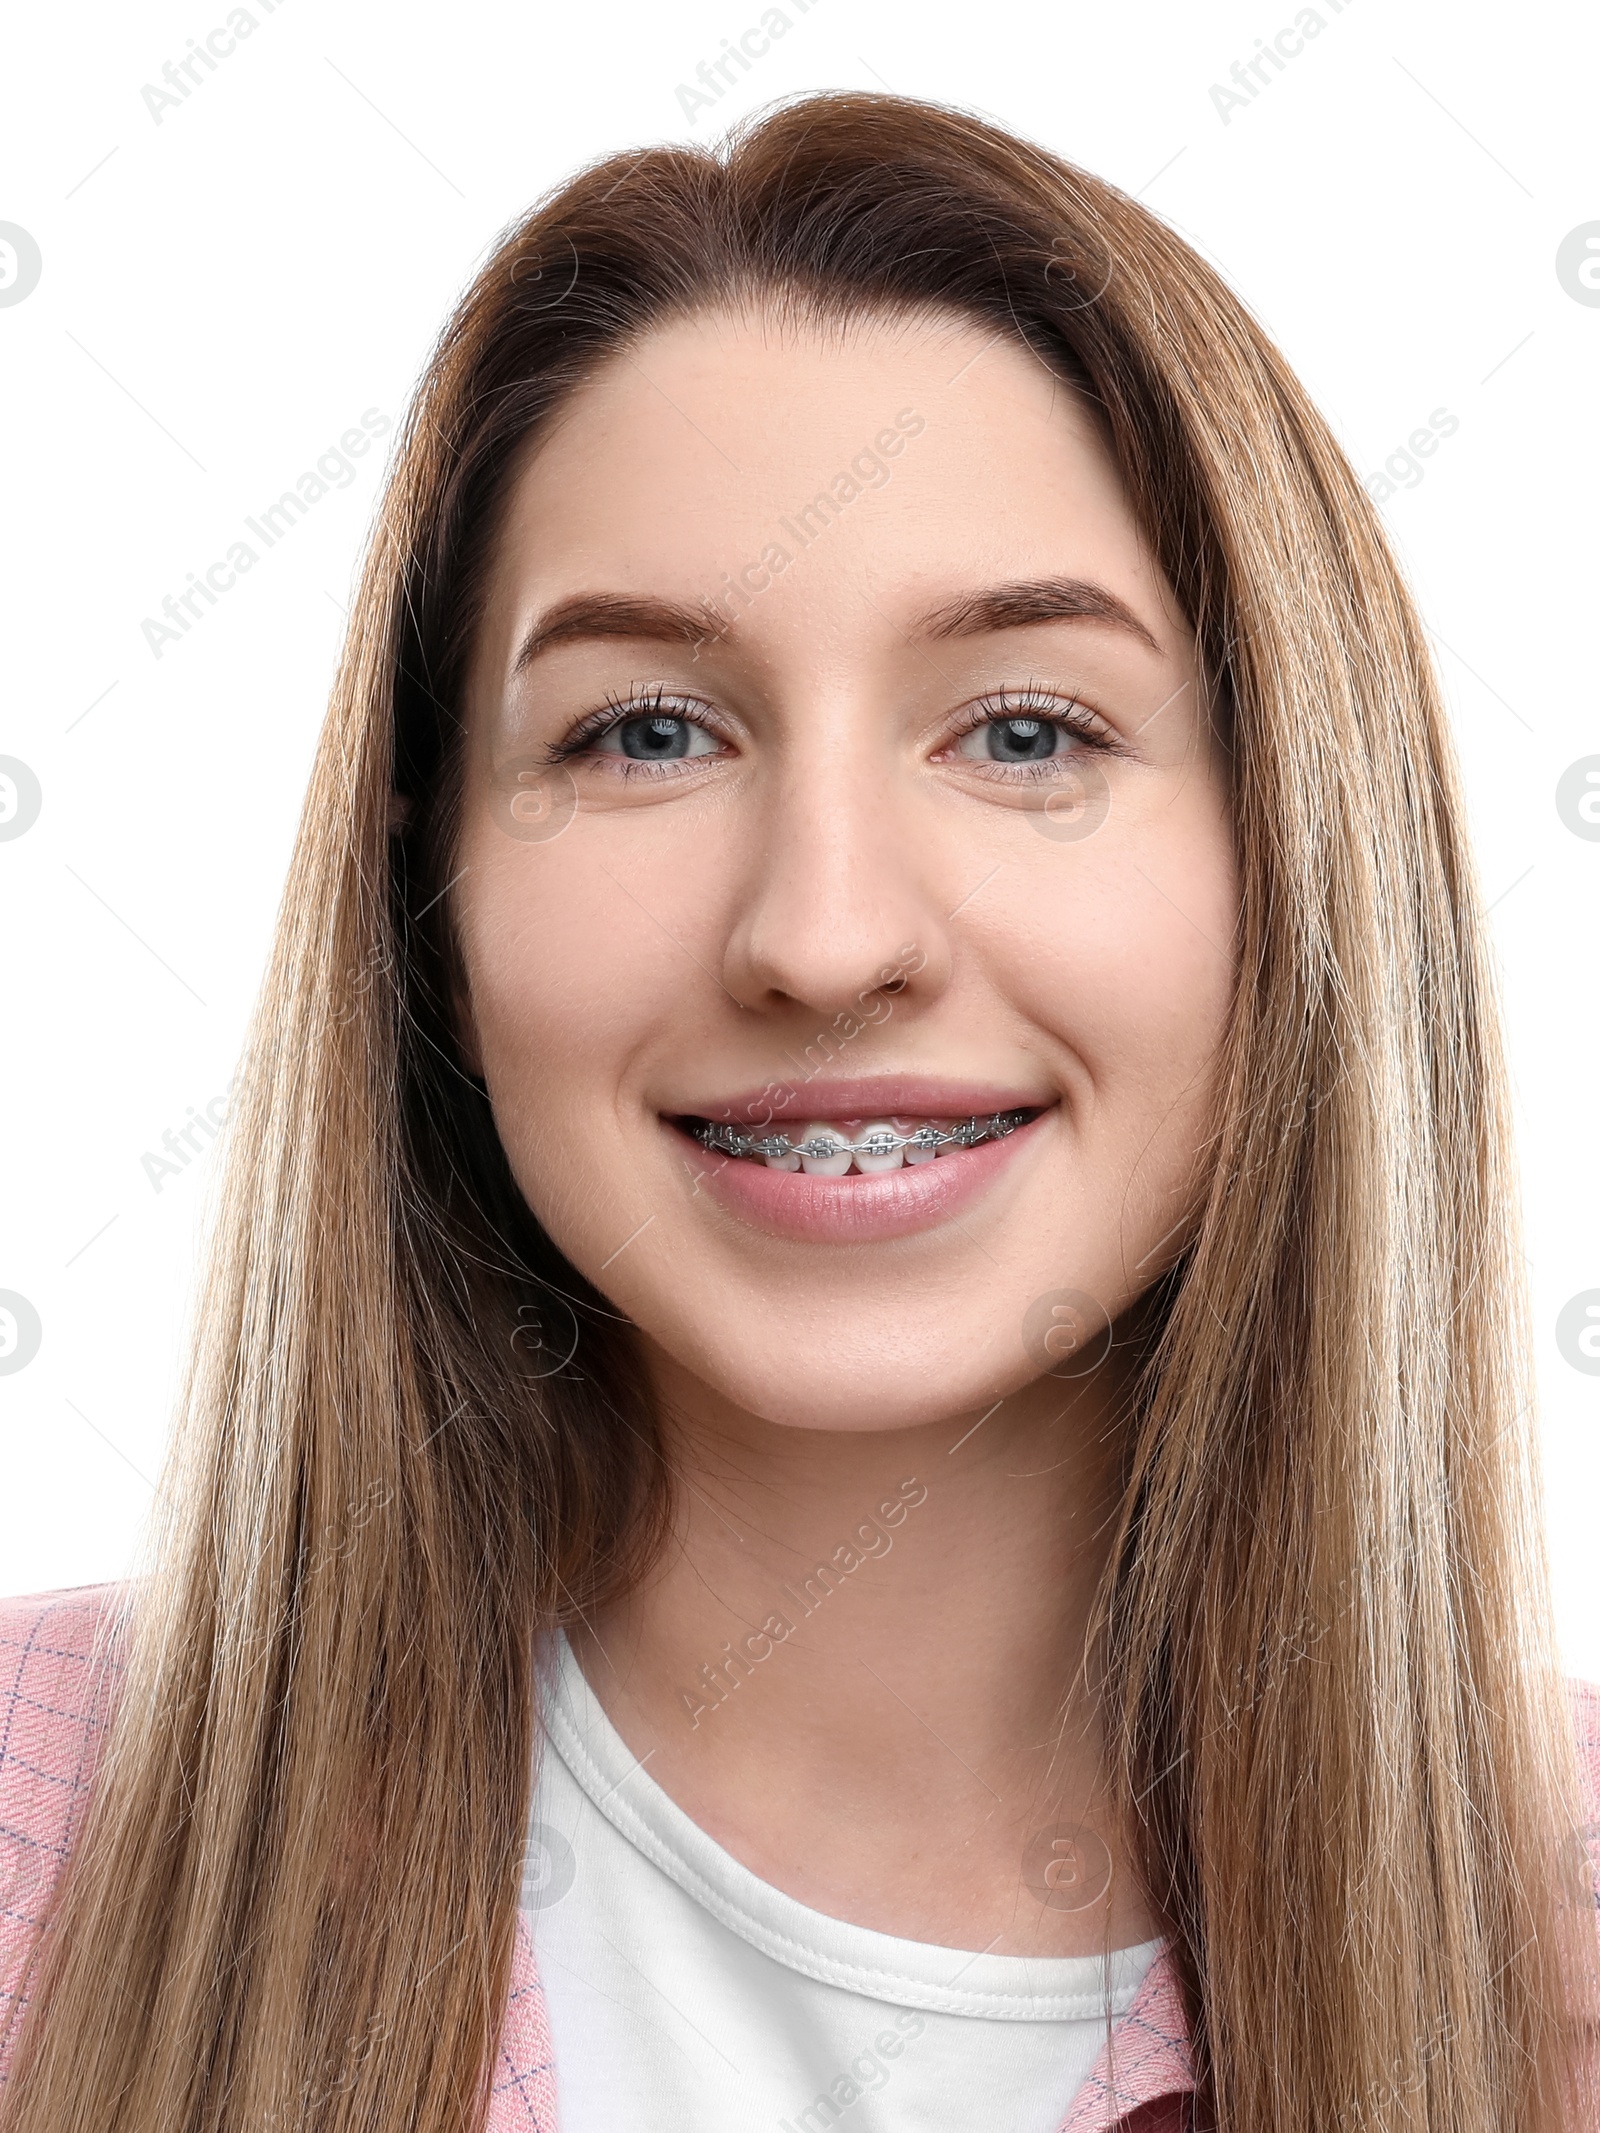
523 2095
1147 2057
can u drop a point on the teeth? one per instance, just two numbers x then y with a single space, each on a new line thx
922 1155
866 1160
826 1166
873 1145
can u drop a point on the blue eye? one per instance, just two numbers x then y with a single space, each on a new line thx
1026 737
654 737
650 739
1018 740
1014 737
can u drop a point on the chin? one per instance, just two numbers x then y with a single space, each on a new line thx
794 1379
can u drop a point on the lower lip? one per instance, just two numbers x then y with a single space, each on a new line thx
858 1209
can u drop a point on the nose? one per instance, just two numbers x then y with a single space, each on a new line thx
842 906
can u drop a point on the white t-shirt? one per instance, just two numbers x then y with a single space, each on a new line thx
689 1996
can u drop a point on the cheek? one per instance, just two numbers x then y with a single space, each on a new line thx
566 978
1129 965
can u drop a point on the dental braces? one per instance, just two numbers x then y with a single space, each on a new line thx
882 1140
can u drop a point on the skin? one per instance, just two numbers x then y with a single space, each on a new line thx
692 929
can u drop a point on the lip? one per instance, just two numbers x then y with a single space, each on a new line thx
868 1096
855 1209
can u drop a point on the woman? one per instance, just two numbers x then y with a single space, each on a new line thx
859 1449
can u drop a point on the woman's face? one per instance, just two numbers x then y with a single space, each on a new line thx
837 758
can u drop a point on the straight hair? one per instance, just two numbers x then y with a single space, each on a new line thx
412 1435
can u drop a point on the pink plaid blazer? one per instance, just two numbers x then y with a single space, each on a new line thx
53 1707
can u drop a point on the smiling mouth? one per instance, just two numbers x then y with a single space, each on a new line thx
873 1147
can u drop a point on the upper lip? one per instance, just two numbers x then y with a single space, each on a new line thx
866 1097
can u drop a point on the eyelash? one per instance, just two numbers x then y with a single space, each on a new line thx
993 709
618 711
1035 701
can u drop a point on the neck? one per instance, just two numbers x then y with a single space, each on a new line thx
851 1663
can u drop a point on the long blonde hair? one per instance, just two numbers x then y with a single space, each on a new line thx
1335 1718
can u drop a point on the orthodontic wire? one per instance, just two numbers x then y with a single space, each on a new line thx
883 1140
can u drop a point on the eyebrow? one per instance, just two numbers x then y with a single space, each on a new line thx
615 615
1030 600
996 607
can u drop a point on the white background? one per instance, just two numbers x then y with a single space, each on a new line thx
224 292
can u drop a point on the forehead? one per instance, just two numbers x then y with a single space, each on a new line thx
879 458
